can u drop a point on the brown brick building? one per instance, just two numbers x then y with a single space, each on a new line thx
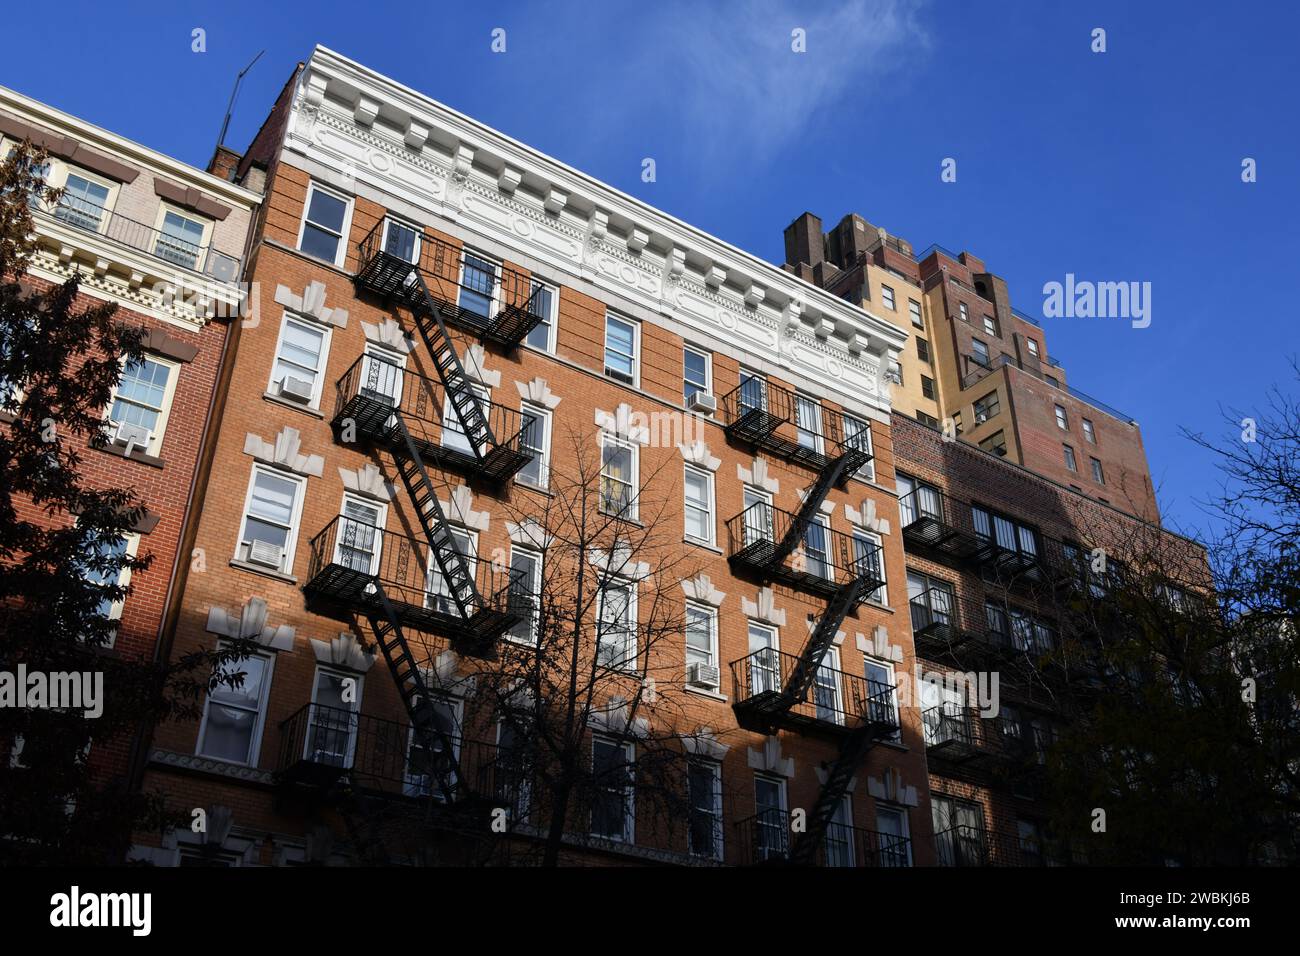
165 242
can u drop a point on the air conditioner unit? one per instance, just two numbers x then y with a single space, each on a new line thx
296 389
132 435
702 402
265 553
702 675
981 418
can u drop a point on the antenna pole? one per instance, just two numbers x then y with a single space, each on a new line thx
230 107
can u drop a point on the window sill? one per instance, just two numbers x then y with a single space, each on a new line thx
136 455
703 692
264 572
296 406
877 606
535 489
700 544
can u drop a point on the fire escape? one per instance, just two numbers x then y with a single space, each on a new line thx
775 690
427 583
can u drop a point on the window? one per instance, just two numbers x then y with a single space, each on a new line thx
1051 380
525 593
479 280
1007 534
696 373
704 779
360 534
930 600
271 515
618 477
987 408
1070 463
622 339
917 500
324 225
927 386
808 422
701 637
925 419
753 392
1030 842
923 350
979 352
143 397
857 434
1033 347
535 441
545 302
816 548
758 516
764 664
428 770
616 624
514 768
437 592
120 549
914 308
990 325
1062 419
956 423
181 239
839 834
958 831
382 374
334 718
453 430
298 373
995 444
612 813
868 557
231 729
1089 435
772 829
827 699
887 296
893 846
896 373
882 695
1097 474
699 505
84 203
963 311
401 241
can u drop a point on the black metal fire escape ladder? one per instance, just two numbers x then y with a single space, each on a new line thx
853 748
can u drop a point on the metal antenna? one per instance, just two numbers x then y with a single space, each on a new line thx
230 107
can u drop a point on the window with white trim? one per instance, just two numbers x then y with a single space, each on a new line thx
233 718
546 303
426 771
618 477
1062 419
772 826
914 308
298 373
122 548
525 593
181 237
701 643
698 485
536 441
622 349
839 835
1089 433
827 693
857 434
453 432
887 295
616 620
882 694
360 534
272 512
85 201
704 833
143 397
963 311
1033 347
335 717
893 837
697 372
868 555
401 240
480 283
808 422
325 225
764 662
437 592
613 812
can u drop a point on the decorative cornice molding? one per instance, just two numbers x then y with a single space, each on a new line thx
344 651
763 608
758 476
284 451
878 645
538 392
697 453
311 303
701 588
169 758
367 481
251 623
390 334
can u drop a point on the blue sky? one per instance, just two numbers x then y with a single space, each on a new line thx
1118 166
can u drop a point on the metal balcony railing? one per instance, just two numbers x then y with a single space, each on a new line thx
349 558
172 249
977 370
765 838
960 734
488 299
372 389
969 845
822 561
838 701
795 427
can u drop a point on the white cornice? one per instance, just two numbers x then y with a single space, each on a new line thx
122 148
561 216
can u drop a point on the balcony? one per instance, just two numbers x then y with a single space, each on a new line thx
818 559
959 735
935 627
796 428
372 389
165 246
971 845
838 703
977 369
938 524
349 558
765 838
490 301
323 747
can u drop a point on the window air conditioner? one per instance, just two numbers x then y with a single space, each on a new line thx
702 675
296 389
265 553
702 402
132 435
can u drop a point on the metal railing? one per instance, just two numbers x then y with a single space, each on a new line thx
766 838
823 559
970 845
977 370
174 250
794 426
836 698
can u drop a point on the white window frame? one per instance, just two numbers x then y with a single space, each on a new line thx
710 506
887 298
881 594
340 254
1089 431
535 588
906 827
1098 470
494 306
830 665
867 471
390 220
711 615
963 312
636 349
917 320
631 649
783 807
164 413
411 785
376 555
844 809
715 812
543 415
991 326
432 569
115 609
549 322
1062 417
259 725
451 424
1070 457
707 387
295 524
766 531
629 793
631 511
887 666
818 431
772 679
318 386
355 708
58 179
1032 345
205 242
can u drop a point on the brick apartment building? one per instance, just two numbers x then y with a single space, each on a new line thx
440 304
165 242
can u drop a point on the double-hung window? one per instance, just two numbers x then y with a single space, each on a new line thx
827 693
544 304
453 430
401 241
1071 462
479 281
887 296
1089 433
857 434
84 203
272 511
298 372
622 349
704 778
429 765
816 548
233 717
1062 419
535 440
868 558
914 308
1005 533
696 372
1098 475
772 825
979 352
618 477
701 642
893 846
181 239
324 225
612 808
764 659
438 594
698 485
917 500
753 393
525 594
808 422
360 534
616 624
335 718
882 695
987 408
143 397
